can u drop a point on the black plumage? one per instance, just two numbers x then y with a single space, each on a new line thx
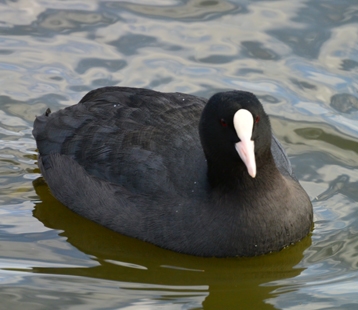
133 160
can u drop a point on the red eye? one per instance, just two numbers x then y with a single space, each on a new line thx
257 118
223 123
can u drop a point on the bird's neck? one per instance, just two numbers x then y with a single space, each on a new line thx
233 176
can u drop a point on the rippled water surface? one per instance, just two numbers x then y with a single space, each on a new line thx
299 57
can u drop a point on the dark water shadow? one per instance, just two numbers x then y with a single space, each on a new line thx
188 10
229 283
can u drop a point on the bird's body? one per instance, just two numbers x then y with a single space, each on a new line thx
134 161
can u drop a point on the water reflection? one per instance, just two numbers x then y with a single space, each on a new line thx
344 103
222 283
188 10
299 57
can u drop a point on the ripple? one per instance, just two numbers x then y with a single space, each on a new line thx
299 57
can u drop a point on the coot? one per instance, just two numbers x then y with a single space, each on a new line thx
199 177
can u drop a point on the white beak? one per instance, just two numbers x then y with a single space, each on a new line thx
244 123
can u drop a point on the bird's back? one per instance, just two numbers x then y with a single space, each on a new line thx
137 138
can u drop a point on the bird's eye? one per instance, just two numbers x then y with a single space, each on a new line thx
257 119
223 123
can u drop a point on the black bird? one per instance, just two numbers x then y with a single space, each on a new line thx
199 177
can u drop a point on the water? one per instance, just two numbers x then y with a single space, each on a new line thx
299 57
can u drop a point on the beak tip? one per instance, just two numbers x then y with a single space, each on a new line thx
247 155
